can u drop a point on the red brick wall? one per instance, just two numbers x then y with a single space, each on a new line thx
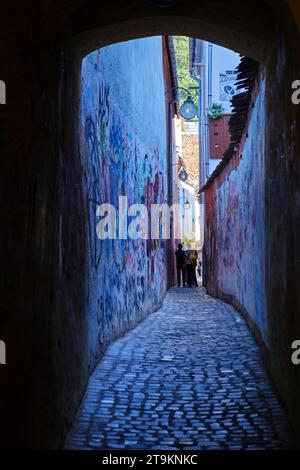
219 137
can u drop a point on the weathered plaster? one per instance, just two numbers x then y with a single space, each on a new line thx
125 151
240 221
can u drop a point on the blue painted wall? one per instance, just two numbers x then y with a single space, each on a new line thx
124 142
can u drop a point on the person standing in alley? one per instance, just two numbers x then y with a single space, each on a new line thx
199 268
180 265
191 268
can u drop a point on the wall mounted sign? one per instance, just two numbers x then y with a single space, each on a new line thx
227 85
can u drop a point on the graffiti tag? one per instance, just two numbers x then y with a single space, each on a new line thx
93 179
103 105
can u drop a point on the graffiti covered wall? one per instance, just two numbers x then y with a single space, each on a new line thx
235 226
124 141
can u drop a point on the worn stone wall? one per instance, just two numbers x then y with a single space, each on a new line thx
124 144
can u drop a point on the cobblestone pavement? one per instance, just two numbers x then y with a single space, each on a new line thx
190 376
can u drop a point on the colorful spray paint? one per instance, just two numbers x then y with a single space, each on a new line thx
124 145
235 226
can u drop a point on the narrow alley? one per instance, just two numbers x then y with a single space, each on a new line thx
145 146
190 376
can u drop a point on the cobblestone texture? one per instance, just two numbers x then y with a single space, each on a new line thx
188 377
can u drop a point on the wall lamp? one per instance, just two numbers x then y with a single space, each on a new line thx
188 109
182 174
187 203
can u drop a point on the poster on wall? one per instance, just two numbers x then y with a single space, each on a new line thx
227 85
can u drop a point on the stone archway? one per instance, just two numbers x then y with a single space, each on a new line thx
44 294
249 32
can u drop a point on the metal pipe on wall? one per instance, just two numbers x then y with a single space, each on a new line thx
210 60
209 79
201 153
171 103
200 127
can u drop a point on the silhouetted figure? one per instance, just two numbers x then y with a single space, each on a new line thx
191 264
180 265
199 268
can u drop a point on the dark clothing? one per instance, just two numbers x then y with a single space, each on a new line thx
180 265
199 268
191 269
180 258
191 275
181 272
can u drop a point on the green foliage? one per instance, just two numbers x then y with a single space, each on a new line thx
216 110
181 46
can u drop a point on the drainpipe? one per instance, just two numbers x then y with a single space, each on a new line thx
209 78
200 132
171 103
202 149
201 153
210 59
